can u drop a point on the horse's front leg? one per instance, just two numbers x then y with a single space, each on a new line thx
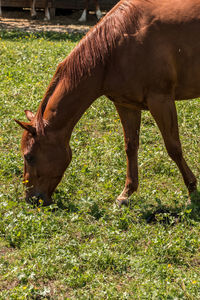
130 120
163 109
46 11
33 11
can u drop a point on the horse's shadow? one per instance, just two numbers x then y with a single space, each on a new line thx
171 216
63 202
162 214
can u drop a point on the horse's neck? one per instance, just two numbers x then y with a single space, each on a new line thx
65 107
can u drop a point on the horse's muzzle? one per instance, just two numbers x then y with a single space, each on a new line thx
38 199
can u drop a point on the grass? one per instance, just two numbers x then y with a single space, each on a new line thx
83 246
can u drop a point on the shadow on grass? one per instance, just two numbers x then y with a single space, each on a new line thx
47 35
64 203
171 216
162 214
195 198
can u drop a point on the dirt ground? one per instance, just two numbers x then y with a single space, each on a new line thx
65 21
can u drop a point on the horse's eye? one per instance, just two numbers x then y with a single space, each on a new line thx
29 158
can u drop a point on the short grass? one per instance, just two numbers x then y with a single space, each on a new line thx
83 246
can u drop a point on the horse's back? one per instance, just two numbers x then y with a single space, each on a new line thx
168 9
174 45
163 54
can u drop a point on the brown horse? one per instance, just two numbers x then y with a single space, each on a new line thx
142 55
83 17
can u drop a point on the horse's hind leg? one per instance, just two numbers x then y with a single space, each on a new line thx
130 120
163 110
98 11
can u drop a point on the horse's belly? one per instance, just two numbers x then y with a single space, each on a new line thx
188 82
187 94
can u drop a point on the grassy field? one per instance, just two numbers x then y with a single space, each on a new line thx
83 246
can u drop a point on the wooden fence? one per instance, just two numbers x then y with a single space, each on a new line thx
65 4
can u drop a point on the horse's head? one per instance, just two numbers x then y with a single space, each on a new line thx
46 157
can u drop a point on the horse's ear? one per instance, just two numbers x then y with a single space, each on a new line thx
27 127
30 116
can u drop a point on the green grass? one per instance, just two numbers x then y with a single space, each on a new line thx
83 246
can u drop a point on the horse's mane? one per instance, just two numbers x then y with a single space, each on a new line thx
95 48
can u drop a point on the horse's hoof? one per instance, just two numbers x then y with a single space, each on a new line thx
82 20
122 201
